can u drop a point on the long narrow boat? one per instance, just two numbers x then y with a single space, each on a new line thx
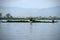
10 21
34 21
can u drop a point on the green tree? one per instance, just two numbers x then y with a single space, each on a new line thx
11 17
8 15
40 17
50 17
0 15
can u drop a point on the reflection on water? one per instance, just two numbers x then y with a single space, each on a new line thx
27 31
30 28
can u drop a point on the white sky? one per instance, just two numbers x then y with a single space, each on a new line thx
11 5
30 3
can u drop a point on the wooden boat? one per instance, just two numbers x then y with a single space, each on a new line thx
40 21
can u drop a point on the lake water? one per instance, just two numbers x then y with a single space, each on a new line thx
26 31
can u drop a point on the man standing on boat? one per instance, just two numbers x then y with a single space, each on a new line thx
31 19
53 21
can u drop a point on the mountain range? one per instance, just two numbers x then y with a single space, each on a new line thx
19 11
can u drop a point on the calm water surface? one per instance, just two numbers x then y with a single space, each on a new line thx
25 31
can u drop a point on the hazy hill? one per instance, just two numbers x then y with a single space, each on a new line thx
18 11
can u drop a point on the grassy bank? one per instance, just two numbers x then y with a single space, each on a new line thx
29 18
9 17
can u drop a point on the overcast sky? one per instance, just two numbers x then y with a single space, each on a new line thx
30 3
37 4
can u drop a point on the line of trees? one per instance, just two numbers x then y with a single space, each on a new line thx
9 17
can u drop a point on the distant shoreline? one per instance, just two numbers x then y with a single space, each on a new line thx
23 19
9 17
